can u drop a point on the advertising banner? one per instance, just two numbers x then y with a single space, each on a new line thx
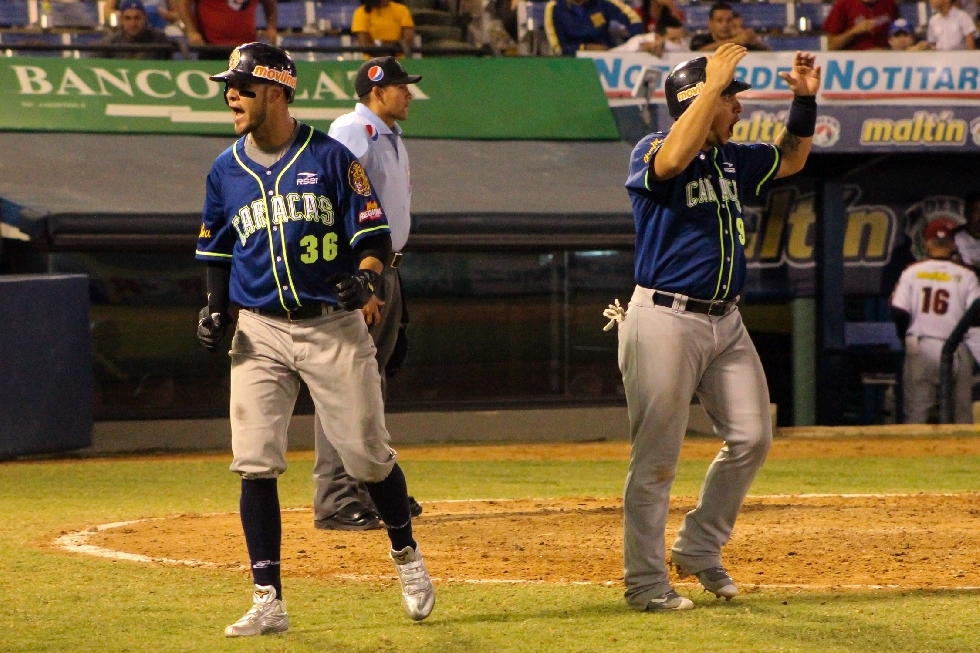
883 226
869 102
492 98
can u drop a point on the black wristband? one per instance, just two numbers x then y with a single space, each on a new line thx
802 120
218 278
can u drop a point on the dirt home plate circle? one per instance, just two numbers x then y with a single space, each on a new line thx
816 542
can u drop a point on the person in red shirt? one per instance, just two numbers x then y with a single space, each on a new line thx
859 24
226 22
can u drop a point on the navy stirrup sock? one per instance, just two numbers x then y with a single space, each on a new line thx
262 524
390 497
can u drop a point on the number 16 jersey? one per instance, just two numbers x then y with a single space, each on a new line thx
935 293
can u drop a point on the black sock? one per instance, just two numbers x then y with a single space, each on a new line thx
390 497
262 524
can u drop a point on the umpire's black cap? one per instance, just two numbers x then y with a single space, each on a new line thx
381 71
685 81
261 63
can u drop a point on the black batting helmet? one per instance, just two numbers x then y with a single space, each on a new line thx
261 63
685 81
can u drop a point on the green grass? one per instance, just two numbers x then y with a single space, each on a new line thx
54 601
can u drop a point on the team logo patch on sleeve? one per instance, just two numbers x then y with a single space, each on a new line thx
372 132
205 232
654 146
358 179
371 212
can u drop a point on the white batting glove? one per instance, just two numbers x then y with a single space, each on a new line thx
615 314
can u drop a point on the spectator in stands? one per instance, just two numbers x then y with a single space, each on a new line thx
859 24
967 237
901 36
165 9
950 28
133 29
721 29
573 25
383 22
652 11
669 36
226 23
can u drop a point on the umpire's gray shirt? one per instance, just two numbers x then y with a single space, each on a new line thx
381 151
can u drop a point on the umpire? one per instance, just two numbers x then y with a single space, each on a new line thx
371 132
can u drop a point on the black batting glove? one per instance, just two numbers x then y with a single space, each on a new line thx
355 290
211 329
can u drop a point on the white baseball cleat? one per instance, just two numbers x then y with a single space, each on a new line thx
267 615
418 595
717 581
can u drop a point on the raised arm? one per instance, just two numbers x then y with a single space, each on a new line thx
690 133
796 139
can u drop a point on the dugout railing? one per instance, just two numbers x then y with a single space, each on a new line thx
970 319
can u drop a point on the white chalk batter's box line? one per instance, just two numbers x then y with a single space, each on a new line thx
78 542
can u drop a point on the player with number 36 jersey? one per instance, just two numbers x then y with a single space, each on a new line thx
287 228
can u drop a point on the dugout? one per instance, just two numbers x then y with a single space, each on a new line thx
512 259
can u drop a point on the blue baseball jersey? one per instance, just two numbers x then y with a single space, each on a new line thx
288 228
690 235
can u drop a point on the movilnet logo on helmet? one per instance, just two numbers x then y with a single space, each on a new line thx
688 93
280 76
376 73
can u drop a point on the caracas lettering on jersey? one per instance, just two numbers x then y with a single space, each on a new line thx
292 206
701 191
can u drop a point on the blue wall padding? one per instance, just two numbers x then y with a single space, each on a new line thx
46 381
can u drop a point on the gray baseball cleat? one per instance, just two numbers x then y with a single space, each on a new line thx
418 595
717 581
669 600
267 615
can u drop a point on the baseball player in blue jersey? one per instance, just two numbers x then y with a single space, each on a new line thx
294 234
683 334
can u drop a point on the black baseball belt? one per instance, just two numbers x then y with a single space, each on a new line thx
713 308
306 312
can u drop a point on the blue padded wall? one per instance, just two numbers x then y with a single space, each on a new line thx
45 364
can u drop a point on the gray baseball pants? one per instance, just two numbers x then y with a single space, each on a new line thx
334 355
334 487
920 380
666 357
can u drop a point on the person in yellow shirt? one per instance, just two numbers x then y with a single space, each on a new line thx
383 22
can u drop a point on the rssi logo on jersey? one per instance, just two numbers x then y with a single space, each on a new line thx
371 212
372 132
306 178
729 167
376 73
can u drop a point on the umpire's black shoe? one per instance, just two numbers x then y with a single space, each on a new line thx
352 517
414 507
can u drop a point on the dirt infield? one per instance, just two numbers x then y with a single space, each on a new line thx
816 542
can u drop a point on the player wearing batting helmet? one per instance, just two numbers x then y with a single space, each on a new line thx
294 234
929 300
683 334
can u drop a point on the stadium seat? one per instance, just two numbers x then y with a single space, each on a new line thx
763 16
14 13
288 43
73 14
792 43
337 14
10 40
432 17
292 15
